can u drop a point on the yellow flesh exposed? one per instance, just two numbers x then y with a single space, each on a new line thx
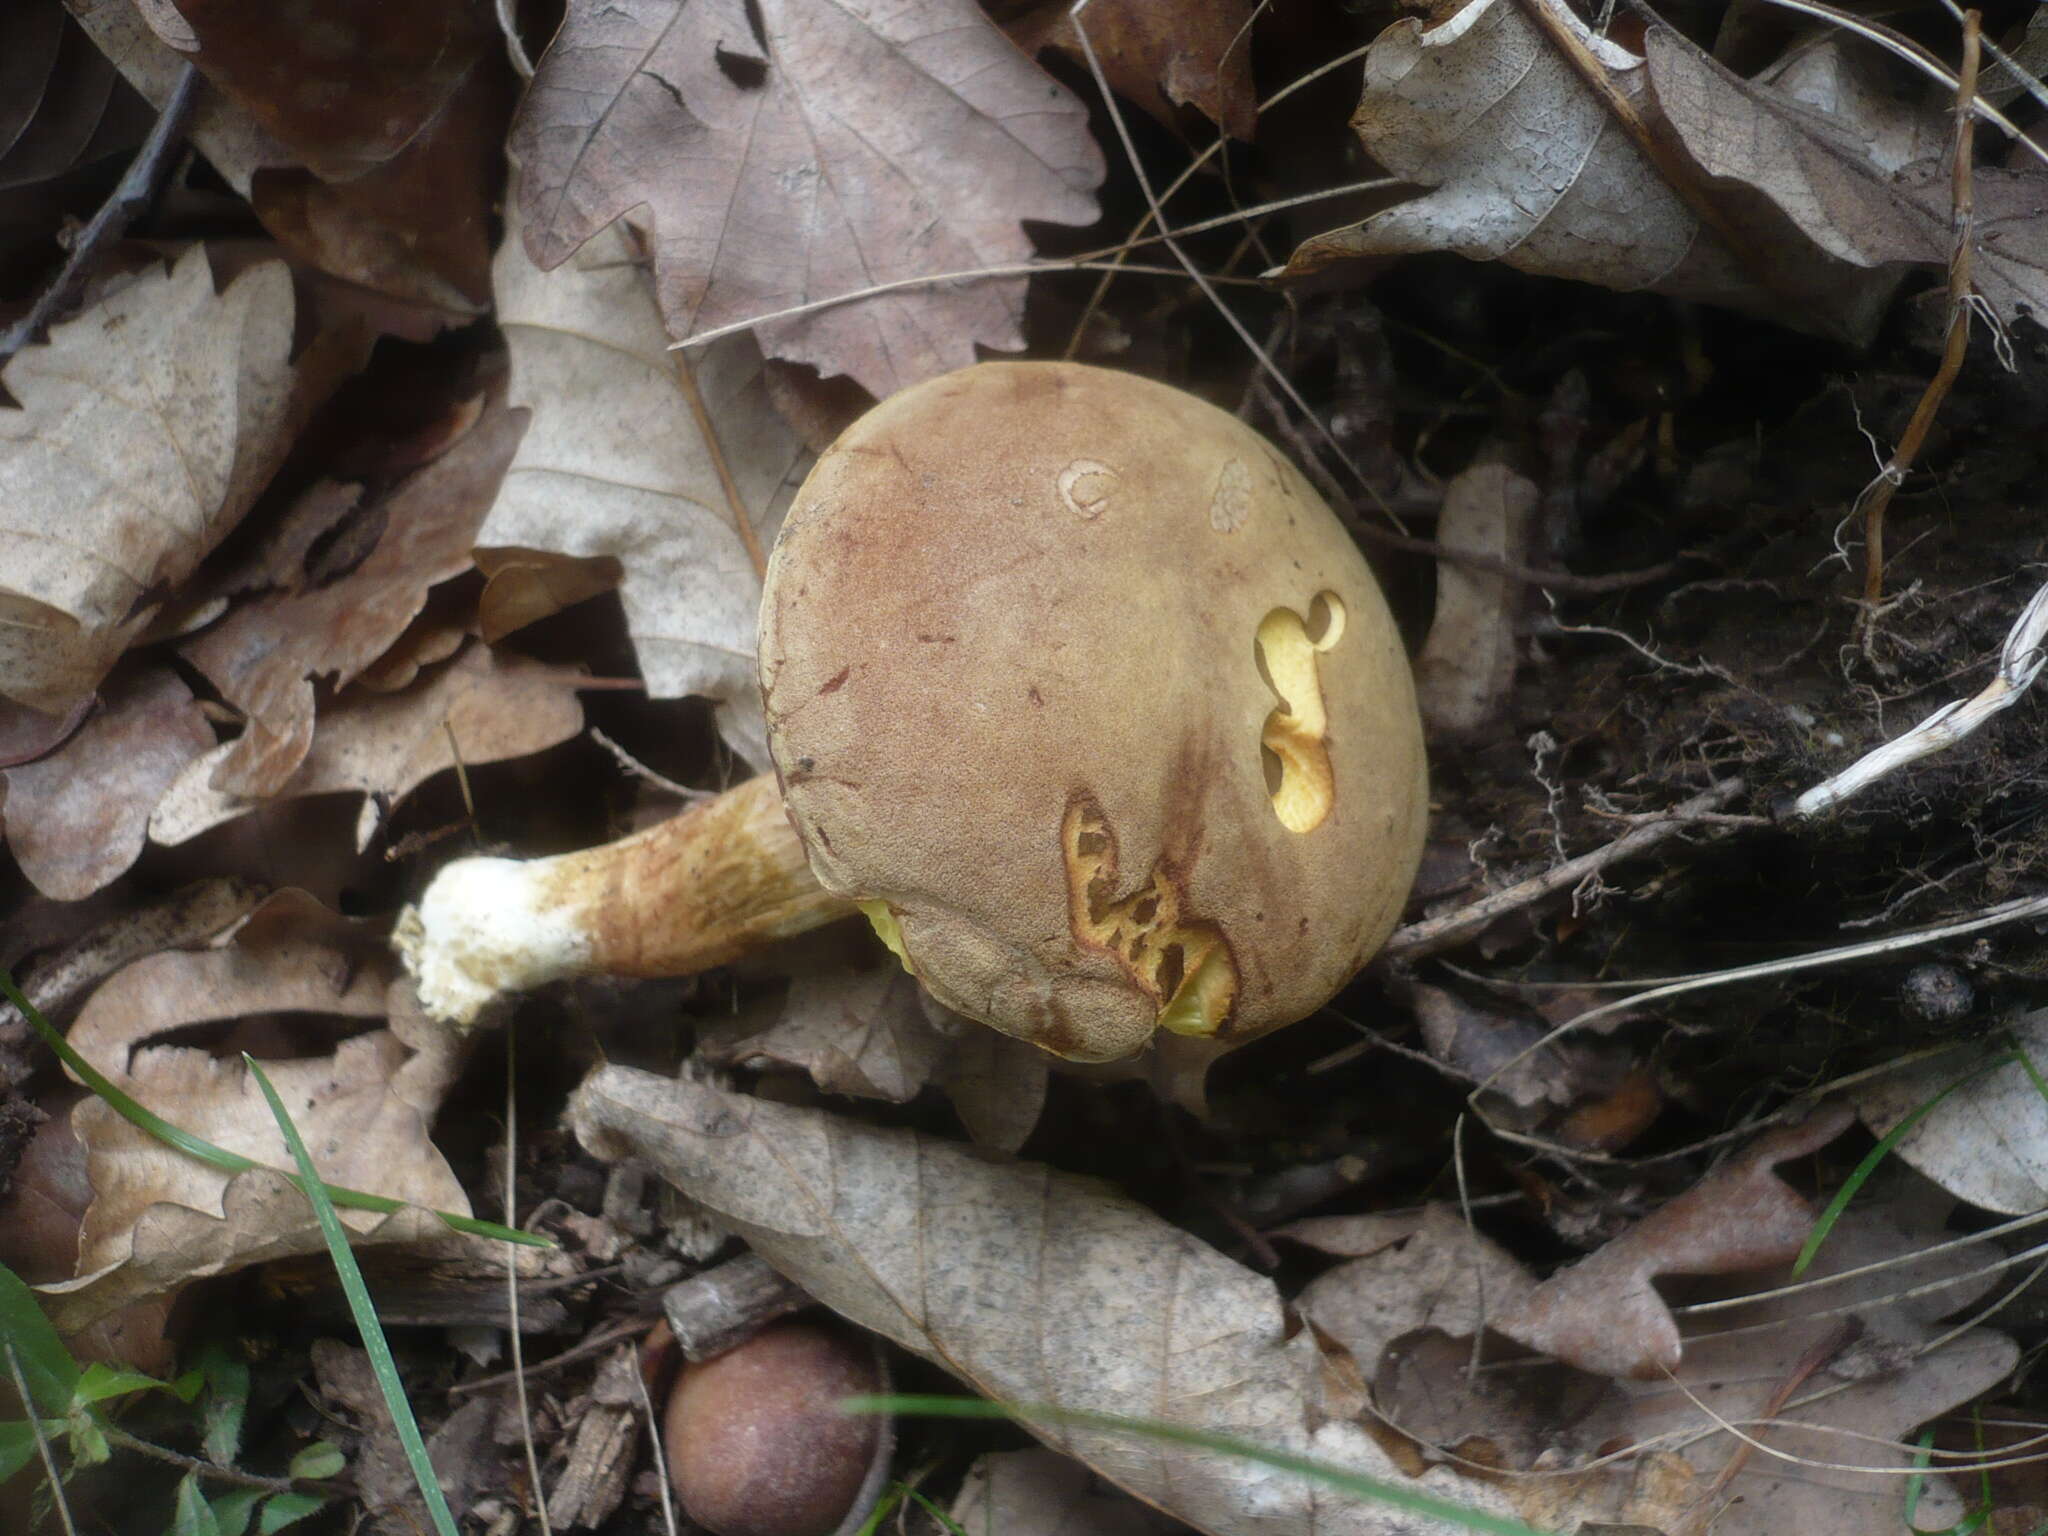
1295 731
1181 963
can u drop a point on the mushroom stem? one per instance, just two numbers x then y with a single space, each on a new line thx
722 879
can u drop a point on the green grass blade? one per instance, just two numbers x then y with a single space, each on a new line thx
206 1152
1872 1160
378 1347
1367 1488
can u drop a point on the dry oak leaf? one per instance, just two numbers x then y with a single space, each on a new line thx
77 818
792 152
615 463
484 706
147 427
1525 165
1863 176
1603 1315
1837 1452
160 1219
1860 1384
1031 1285
265 653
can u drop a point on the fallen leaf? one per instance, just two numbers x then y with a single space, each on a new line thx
996 1082
523 586
874 1033
792 153
484 707
76 819
160 1219
1525 165
148 425
380 173
1433 1270
1862 176
615 465
1466 671
1863 1360
1033 1286
856 1032
1603 1315
1983 1135
1161 54
1903 1369
264 655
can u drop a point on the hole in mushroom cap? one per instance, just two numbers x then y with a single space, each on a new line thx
1293 753
1166 976
1182 963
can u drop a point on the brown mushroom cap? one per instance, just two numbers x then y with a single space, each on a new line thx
1075 677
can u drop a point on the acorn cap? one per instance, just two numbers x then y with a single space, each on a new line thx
1079 688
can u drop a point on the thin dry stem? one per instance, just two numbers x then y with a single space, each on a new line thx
1419 940
1877 496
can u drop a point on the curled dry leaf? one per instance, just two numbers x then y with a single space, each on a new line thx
1864 178
1603 1314
616 465
160 1219
1031 1285
1842 1375
1983 1135
264 655
147 427
794 152
76 819
483 708
1525 165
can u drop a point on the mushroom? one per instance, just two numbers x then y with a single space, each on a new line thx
1074 686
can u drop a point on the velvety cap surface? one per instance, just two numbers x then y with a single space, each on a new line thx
1082 680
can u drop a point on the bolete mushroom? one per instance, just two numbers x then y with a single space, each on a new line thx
1079 690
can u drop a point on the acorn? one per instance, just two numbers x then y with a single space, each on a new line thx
756 1443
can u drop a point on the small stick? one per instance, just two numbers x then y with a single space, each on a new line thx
711 1312
128 199
183 920
1419 940
2020 661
